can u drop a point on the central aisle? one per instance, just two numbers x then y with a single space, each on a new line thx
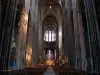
50 71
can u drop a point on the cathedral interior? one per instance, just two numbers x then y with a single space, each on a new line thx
49 37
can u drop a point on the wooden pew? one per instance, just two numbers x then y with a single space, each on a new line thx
35 70
60 70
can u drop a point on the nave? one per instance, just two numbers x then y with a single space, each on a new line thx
43 37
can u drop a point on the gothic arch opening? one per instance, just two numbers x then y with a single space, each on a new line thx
50 32
51 21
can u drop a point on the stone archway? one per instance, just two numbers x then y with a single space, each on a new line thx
50 11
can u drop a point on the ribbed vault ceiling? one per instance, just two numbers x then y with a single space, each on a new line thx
49 13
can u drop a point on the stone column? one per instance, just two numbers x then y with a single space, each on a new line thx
21 39
76 35
79 37
69 33
0 18
35 23
8 23
29 36
60 36
93 37
0 11
41 41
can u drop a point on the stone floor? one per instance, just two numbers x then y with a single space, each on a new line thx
50 71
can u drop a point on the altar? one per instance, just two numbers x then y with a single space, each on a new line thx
49 62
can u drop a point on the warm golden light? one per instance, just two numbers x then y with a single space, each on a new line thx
26 17
50 62
24 24
28 56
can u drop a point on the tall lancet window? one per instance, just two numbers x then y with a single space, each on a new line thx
53 36
46 36
49 36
